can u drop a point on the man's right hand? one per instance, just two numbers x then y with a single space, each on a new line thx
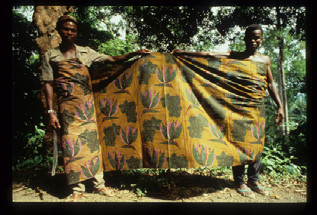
53 121
177 52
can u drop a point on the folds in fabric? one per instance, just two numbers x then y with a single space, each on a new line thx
163 111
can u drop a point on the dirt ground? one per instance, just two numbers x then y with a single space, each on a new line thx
185 186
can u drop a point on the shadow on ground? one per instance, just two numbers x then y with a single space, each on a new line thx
166 185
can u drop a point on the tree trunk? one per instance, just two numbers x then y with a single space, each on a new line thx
281 74
45 19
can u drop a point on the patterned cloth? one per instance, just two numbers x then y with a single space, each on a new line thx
164 111
79 137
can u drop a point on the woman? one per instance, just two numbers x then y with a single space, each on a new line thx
65 69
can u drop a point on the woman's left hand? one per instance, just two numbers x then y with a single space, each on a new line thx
143 52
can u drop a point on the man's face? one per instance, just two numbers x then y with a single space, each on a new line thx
68 31
253 39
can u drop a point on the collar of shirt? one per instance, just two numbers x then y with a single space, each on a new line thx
56 53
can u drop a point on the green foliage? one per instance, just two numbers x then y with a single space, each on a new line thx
114 47
35 155
275 163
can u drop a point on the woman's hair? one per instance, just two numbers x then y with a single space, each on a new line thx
252 28
63 19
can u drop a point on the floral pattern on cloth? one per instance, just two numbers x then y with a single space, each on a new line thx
79 133
162 111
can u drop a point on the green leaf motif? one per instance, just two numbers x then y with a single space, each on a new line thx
214 63
261 67
240 128
66 119
77 147
95 166
188 75
197 124
90 138
86 172
116 161
123 81
173 105
145 72
224 159
110 134
211 158
129 109
169 58
149 128
177 161
83 82
197 156
73 177
134 163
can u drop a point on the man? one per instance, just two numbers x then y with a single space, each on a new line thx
253 38
65 69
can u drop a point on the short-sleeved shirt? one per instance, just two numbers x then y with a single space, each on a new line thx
52 56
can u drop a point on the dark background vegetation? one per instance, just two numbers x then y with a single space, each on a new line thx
163 29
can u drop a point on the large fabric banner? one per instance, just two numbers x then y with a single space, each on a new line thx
162 111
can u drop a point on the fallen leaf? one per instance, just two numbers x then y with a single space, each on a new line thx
275 197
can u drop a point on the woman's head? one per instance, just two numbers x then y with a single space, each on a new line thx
67 28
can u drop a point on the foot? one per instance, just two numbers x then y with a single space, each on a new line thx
105 191
256 187
75 197
243 190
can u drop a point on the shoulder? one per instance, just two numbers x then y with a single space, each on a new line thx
52 52
266 59
83 48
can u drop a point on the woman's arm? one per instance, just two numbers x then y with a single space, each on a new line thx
53 120
274 93
200 54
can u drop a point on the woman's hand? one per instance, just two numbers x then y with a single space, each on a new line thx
143 52
53 121
280 116
177 52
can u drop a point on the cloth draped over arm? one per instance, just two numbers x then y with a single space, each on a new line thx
163 111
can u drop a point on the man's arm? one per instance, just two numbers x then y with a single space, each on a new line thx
122 58
200 54
273 92
53 120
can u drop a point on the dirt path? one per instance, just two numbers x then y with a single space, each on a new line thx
171 187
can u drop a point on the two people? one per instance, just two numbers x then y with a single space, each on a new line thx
65 69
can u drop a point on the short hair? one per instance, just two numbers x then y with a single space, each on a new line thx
252 28
63 19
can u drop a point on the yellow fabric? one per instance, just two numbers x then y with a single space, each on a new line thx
171 112
79 135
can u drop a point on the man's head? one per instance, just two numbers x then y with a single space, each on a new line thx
67 28
253 36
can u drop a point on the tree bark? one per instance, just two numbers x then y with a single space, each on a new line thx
45 19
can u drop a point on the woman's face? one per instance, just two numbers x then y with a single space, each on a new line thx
68 32
253 39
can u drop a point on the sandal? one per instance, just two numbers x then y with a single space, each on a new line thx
74 197
246 192
105 191
258 189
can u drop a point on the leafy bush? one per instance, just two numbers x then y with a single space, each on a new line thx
34 154
116 47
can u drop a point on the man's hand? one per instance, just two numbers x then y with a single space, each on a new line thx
143 52
177 52
54 122
280 116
